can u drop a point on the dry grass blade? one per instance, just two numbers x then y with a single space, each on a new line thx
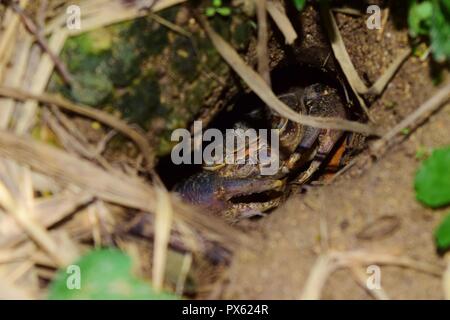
14 75
21 252
446 279
184 271
163 225
356 84
341 54
16 197
48 211
38 80
263 38
98 13
278 14
260 87
33 29
349 11
7 35
339 50
89 112
169 25
381 83
112 186
71 138
323 267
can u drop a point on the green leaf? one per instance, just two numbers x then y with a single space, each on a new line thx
217 3
432 181
210 11
225 11
299 4
440 30
442 234
431 18
419 17
102 274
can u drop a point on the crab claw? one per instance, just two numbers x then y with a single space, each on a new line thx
228 195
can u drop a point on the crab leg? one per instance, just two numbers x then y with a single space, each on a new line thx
240 211
326 144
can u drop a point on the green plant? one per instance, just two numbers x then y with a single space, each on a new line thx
442 234
299 4
217 8
432 186
431 18
102 274
432 181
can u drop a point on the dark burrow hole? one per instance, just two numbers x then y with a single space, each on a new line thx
247 107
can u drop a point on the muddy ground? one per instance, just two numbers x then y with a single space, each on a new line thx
338 216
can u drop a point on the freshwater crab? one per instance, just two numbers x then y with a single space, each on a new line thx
238 191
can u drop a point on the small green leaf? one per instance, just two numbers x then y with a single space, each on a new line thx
225 11
217 3
299 4
432 181
210 11
102 274
442 234
405 131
